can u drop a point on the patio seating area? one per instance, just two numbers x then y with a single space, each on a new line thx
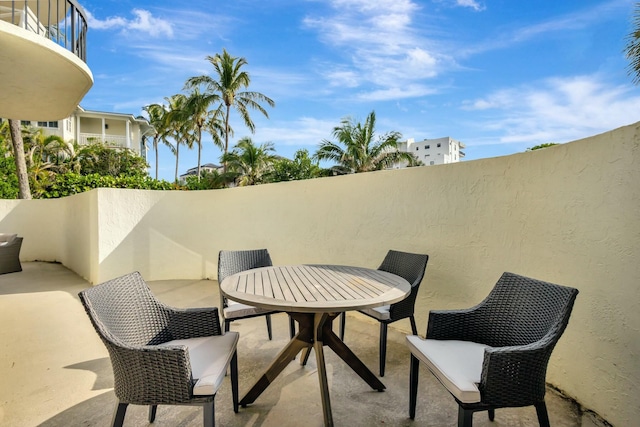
56 371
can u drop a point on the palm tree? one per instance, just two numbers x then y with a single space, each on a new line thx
177 128
249 163
228 83
157 118
360 152
24 191
632 49
196 109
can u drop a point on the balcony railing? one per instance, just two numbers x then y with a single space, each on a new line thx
116 141
62 21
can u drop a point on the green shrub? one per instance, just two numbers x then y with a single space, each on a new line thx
8 178
71 183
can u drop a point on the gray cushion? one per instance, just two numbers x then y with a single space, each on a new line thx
456 364
237 310
209 358
7 238
381 313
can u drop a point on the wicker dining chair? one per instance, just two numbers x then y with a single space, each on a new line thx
411 267
495 355
232 262
160 355
10 245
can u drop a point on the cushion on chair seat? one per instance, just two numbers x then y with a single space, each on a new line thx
236 310
5 239
456 364
209 357
381 313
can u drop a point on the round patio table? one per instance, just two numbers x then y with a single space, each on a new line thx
314 295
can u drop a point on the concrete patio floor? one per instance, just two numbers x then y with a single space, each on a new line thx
54 370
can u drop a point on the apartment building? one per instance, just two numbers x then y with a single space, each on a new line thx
116 130
436 151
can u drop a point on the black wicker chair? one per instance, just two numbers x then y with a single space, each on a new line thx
495 354
10 245
411 267
160 355
232 262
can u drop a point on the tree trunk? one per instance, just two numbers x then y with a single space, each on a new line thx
175 180
18 155
199 149
155 145
226 141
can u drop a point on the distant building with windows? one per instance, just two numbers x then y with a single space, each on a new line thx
208 167
116 130
434 151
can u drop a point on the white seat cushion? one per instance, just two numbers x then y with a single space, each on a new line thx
456 364
5 239
209 357
237 310
381 313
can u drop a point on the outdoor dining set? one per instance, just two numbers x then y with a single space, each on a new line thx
490 356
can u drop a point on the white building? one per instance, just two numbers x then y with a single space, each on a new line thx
434 151
43 48
208 167
116 130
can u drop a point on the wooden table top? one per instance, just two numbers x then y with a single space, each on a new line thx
315 288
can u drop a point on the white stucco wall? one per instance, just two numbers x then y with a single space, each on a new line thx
566 214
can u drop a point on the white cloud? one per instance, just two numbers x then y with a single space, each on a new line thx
561 24
473 4
304 132
381 48
557 109
144 22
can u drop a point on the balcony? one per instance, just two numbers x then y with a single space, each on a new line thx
60 373
567 214
115 141
37 32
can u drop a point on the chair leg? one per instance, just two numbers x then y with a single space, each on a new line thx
465 417
234 381
227 325
492 414
304 357
152 413
383 347
414 329
118 414
268 317
292 327
343 322
209 414
543 416
413 385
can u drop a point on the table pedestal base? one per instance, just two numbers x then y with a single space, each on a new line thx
314 331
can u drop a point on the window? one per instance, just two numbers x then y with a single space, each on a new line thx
25 123
431 162
48 124
439 145
417 148
426 147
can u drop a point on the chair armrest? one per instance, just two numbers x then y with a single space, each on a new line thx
151 375
193 322
516 375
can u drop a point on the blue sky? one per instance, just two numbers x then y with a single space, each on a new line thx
498 75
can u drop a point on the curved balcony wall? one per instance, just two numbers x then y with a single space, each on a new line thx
43 51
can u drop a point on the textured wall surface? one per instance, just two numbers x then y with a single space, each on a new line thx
566 214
